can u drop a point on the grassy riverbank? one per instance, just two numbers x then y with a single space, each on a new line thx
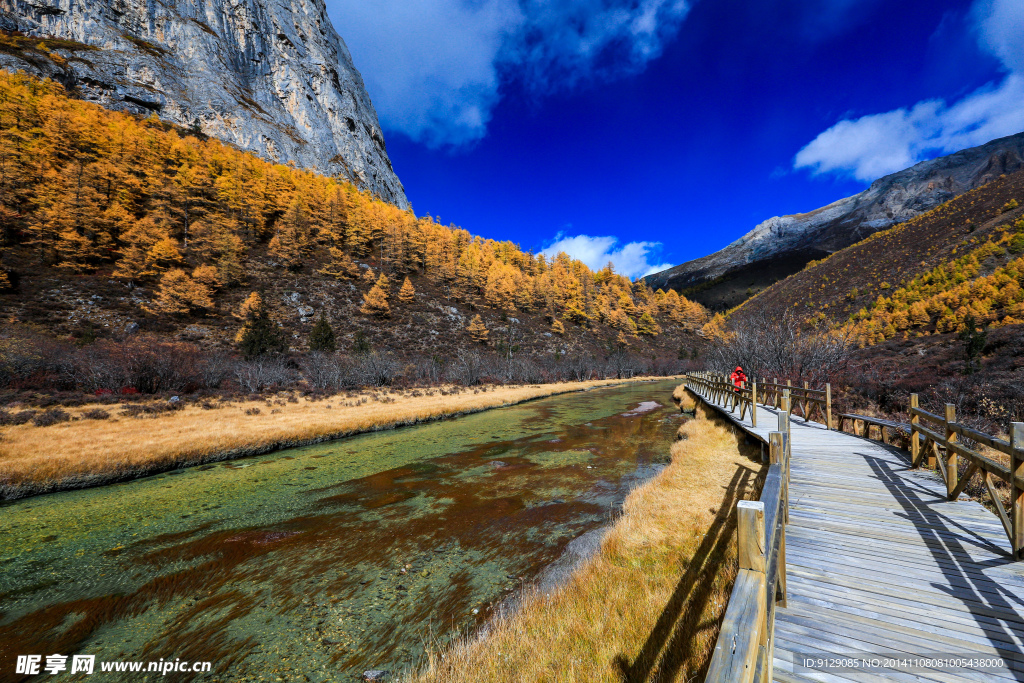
648 606
141 439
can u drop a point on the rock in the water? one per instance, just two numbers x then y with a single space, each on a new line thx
273 78
374 675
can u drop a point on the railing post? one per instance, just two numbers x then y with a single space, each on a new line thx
951 456
1017 494
784 425
915 445
751 544
753 403
777 446
751 539
803 407
828 406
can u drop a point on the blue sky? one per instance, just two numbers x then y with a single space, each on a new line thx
652 132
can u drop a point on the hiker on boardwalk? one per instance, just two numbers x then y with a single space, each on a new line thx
738 378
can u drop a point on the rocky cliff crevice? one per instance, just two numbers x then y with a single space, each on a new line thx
269 76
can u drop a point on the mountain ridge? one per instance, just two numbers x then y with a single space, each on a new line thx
782 245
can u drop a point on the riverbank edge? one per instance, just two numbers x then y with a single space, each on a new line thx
514 605
14 492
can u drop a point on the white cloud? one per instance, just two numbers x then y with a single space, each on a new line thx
1000 24
434 68
631 260
875 145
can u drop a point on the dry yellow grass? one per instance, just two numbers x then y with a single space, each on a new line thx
83 452
649 605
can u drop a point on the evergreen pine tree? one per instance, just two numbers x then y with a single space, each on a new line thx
407 293
322 336
260 335
974 340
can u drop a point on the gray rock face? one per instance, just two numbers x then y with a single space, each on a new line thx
789 242
269 76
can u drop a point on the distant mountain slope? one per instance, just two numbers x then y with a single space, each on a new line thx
922 276
273 78
783 245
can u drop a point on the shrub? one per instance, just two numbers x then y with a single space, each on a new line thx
95 414
50 417
141 409
19 418
144 364
262 372
252 411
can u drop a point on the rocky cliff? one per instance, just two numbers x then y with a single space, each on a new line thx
270 76
784 244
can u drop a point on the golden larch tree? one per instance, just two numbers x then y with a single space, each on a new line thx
477 330
407 294
375 302
179 294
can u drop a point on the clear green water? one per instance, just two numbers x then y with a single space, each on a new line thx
291 564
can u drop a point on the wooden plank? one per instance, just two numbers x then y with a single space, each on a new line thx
998 503
902 553
875 555
733 660
847 642
927 620
1016 490
910 561
879 638
750 541
801 578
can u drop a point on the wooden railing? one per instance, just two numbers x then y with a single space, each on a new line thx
744 651
717 388
806 399
938 438
745 648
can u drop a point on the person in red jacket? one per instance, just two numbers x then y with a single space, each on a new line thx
738 378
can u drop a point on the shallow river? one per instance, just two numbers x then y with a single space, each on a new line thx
321 562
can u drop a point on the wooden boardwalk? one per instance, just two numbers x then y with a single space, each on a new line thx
881 565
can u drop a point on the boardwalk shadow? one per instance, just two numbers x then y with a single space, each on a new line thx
991 605
670 645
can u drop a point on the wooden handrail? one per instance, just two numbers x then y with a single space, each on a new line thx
745 644
944 440
744 651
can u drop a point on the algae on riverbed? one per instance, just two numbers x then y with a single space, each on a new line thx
332 558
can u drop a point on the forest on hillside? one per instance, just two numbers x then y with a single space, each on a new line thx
184 223
933 306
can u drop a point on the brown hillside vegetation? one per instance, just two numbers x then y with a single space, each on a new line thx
935 306
925 255
108 220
